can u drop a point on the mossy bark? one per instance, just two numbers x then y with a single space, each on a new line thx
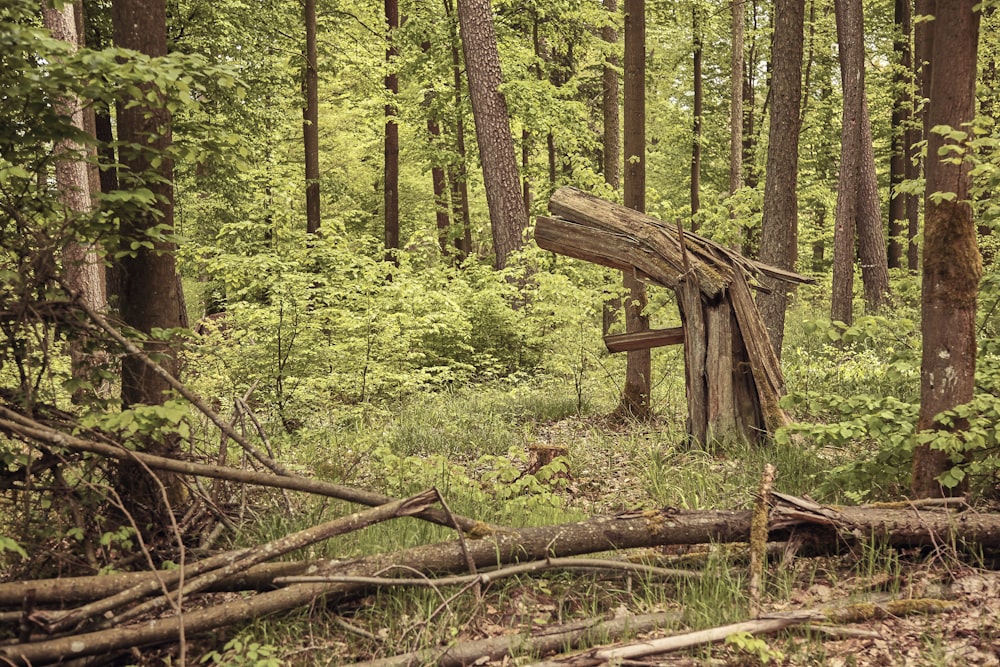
952 263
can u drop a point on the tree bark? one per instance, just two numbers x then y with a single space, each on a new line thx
496 145
951 259
901 136
851 41
612 141
458 174
310 119
923 47
151 297
779 233
635 400
84 269
696 124
391 152
738 30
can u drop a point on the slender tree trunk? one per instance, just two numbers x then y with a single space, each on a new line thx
310 119
923 47
151 297
496 145
439 182
696 125
635 397
779 234
612 144
901 116
84 269
871 237
459 172
738 9
952 264
391 148
858 209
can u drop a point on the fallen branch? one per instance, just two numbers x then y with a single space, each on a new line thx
855 613
495 575
556 638
671 643
236 562
21 426
635 529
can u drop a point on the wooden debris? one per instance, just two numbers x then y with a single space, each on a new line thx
732 375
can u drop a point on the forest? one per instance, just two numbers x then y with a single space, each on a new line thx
499 332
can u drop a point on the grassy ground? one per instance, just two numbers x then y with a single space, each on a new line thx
475 445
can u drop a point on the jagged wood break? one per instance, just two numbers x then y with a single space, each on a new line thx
733 378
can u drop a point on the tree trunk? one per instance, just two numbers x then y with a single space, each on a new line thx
635 401
736 98
901 137
851 41
779 234
923 46
391 152
459 172
496 145
84 269
696 124
871 237
612 143
952 264
310 119
151 297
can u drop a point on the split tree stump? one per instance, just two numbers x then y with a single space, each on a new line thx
733 378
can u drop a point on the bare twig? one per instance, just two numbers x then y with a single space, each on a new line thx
15 423
276 548
502 573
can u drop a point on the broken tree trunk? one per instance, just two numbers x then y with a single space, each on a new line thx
733 378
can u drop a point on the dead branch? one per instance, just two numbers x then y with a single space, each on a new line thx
485 578
241 560
23 427
672 643
636 529
758 538
555 638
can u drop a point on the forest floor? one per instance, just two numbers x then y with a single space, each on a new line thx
608 477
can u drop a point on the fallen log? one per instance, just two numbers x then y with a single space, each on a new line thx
193 579
572 635
855 613
826 525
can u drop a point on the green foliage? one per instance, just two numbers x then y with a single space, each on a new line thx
241 653
750 647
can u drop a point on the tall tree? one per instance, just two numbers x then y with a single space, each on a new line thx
952 266
779 233
391 147
496 145
737 32
150 296
310 119
923 47
84 269
696 124
901 205
638 366
611 146
858 211
458 172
